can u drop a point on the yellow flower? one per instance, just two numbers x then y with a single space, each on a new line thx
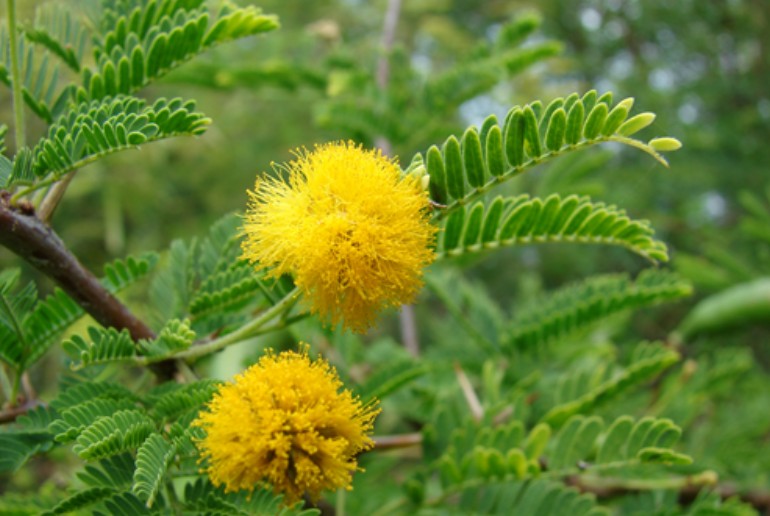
284 422
349 226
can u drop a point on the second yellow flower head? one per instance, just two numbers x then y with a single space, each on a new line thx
349 226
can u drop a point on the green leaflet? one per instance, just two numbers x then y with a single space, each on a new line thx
202 497
524 221
40 88
92 130
641 370
153 458
531 134
139 45
391 378
110 435
514 460
583 304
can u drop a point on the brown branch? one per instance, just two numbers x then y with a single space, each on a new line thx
28 237
10 414
392 442
689 488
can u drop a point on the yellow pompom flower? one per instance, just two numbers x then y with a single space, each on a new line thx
352 229
287 423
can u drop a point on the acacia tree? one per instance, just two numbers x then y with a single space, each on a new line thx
506 413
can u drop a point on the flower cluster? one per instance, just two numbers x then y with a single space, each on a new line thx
349 226
286 423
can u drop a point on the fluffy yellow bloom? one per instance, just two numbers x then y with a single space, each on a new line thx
284 422
348 225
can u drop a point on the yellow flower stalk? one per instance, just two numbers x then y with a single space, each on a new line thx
348 225
285 422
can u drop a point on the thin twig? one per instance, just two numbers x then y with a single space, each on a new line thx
392 442
477 411
52 198
386 43
246 331
18 98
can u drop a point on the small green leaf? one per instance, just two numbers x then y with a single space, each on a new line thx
663 456
514 138
589 100
495 156
617 116
454 168
437 185
472 158
595 121
492 220
473 226
665 144
537 440
636 123
554 134
453 229
531 134
574 128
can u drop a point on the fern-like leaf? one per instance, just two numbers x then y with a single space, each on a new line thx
152 460
142 41
109 435
650 360
40 78
121 273
104 345
87 391
74 420
583 304
124 504
91 130
81 500
175 336
60 32
529 135
521 220
14 309
181 399
391 378
114 472
202 497
541 496
625 443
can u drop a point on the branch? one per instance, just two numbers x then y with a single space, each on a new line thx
689 488
28 237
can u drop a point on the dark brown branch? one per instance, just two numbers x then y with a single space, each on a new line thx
25 235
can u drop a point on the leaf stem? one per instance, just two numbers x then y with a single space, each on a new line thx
18 98
246 331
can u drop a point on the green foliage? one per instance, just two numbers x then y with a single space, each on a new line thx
649 361
545 406
519 468
93 130
60 32
29 327
738 306
41 90
139 42
152 460
583 304
462 170
521 220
